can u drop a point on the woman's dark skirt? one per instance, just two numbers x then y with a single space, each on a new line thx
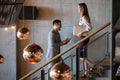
82 48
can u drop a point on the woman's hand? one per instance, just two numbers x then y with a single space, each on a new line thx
79 34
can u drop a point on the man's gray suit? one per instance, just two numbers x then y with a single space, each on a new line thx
54 43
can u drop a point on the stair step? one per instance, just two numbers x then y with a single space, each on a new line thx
108 73
105 78
96 78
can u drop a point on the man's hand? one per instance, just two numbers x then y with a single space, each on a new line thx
66 41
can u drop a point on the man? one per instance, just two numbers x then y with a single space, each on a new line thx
54 42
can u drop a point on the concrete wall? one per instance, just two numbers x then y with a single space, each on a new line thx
8 51
100 12
66 10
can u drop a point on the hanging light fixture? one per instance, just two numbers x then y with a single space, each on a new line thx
60 71
1 59
32 53
23 33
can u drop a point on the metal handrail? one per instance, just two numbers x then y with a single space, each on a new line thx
106 33
73 55
70 56
68 49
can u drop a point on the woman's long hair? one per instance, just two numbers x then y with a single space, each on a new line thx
85 11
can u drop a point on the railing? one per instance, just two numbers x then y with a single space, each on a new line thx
43 73
62 53
106 35
71 57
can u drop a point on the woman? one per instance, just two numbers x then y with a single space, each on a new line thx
86 23
84 19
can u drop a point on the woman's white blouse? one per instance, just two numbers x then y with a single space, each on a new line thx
84 23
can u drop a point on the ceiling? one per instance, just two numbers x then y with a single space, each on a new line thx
9 11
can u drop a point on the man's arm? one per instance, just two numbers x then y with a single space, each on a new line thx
58 44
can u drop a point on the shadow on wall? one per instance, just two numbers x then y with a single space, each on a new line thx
45 13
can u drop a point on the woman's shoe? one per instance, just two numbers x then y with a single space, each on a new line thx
83 76
93 68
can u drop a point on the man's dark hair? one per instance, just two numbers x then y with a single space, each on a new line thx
56 21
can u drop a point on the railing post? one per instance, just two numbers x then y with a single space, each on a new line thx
43 74
72 63
77 64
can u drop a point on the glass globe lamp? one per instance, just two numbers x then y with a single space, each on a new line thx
60 71
32 53
23 33
1 59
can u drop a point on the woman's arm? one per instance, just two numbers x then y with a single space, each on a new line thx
86 24
81 33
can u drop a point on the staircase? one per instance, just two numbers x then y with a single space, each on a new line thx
101 71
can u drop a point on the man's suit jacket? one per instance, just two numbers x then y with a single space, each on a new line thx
54 43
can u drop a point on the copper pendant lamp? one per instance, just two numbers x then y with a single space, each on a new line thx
32 53
1 59
23 33
60 71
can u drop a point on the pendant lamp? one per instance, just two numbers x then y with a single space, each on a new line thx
23 33
32 53
60 71
1 59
